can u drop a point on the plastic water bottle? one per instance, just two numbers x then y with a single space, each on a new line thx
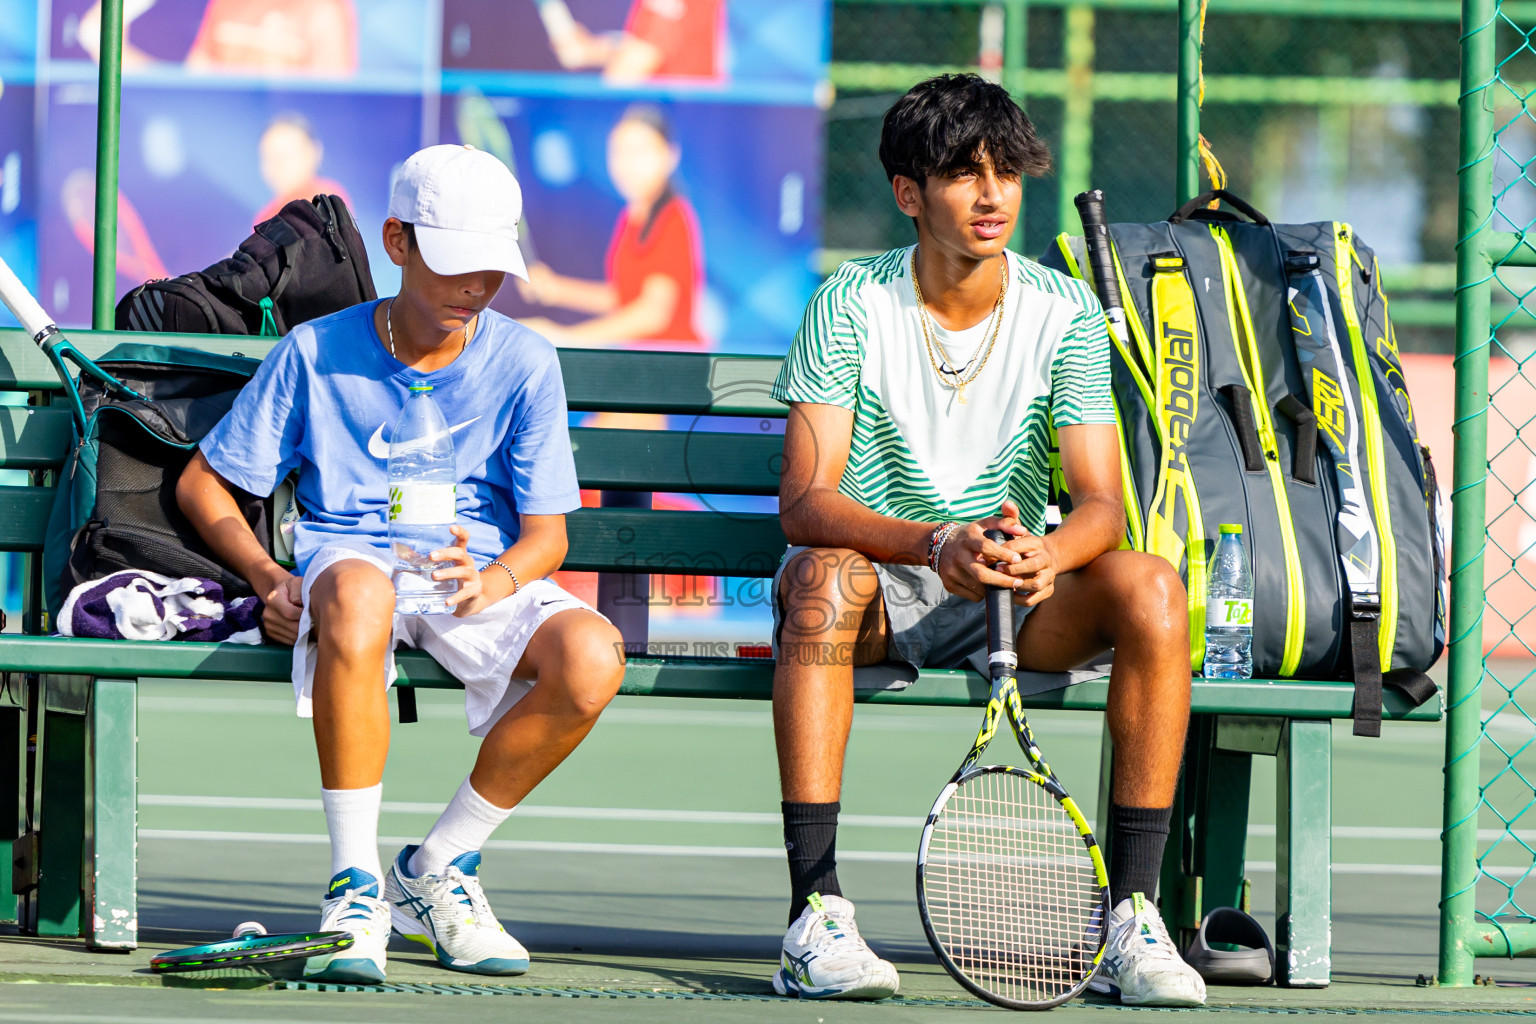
1229 609
422 479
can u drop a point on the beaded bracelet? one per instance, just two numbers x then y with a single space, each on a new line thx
941 534
504 567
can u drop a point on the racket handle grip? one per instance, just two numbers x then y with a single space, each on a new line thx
22 305
1000 625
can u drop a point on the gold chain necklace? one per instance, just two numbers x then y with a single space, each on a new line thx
958 382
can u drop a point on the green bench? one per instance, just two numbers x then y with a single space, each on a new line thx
68 800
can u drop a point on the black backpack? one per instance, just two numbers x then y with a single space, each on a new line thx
115 507
306 262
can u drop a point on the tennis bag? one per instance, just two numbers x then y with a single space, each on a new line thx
307 261
1260 384
115 507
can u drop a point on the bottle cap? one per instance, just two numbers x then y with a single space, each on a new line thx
420 387
1227 528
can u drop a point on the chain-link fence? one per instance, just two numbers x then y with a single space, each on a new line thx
1489 858
1343 110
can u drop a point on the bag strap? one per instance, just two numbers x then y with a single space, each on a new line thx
1335 405
1237 203
1179 361
1365 659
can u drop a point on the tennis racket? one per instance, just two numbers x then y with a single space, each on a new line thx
1101 262
250 951
1011 885
45 333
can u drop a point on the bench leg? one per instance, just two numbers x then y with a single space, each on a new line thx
13 792
1303 855
113 853
61 816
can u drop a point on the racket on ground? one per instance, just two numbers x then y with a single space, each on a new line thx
1011 885
250 951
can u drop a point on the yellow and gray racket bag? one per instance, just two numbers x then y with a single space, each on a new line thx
1259 383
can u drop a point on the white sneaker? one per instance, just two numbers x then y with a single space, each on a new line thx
448 914
359 910
1142 964
824 956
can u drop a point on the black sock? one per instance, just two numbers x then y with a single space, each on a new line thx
1136 859
810 839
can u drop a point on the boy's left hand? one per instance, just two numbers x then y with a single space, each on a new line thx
1037 568
471 597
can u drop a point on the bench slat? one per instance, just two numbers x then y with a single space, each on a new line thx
24 517
38 437
595 379
674 543
678 677
601 539
23 367
669 460
33 436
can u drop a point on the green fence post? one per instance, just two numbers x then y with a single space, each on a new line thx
1076 165
109 90
1187 172
1015 62
1458 854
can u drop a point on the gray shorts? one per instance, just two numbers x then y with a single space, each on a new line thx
929 627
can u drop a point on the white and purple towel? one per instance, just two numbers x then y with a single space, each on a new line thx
137 605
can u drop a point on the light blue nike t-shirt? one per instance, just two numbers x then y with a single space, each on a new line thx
326 398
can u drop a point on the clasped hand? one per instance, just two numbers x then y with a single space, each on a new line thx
1028 563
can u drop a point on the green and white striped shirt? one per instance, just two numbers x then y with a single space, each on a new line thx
916 452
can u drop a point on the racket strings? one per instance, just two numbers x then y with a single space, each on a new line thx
1011 889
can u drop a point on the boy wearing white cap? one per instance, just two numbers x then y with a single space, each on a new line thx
537 664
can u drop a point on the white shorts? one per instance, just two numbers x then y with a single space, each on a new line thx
481 651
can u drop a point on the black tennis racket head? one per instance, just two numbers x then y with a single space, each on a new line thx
250 951
1012 889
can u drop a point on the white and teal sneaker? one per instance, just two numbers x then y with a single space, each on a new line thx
824 956
352 904
448 914
1141 964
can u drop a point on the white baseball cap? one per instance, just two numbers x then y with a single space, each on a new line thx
465 204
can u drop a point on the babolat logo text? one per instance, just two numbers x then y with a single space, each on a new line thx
1179 387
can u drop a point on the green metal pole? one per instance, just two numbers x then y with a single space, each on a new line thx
109 92
1015 62
1075 170
1187 170
1463 731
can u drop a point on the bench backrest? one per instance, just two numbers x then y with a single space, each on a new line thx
734 449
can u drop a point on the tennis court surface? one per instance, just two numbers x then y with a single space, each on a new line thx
647 874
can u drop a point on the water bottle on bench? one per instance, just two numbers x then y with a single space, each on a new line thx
422 486
1229 609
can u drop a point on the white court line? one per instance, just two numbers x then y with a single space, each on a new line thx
1421 734
262 803
727 852
537 846
615 716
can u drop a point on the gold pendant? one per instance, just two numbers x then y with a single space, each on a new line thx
961 389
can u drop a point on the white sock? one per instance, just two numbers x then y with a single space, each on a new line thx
467 822
352 815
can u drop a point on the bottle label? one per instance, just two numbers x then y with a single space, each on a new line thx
421 504
1230 612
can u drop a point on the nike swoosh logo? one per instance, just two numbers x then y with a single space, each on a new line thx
379 448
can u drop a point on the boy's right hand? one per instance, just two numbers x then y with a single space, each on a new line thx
284 603
965 565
